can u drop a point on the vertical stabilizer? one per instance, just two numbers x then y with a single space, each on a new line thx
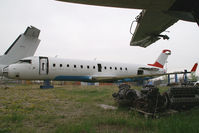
24 46
161 59
194 67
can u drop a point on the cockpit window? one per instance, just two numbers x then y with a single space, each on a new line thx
24 61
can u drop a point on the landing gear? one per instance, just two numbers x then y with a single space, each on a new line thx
46 85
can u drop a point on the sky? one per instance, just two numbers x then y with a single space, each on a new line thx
91 32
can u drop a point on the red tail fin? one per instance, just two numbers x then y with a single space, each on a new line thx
194 67
161 59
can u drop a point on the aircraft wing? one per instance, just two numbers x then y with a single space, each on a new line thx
115 78
152 20
133 4
149 26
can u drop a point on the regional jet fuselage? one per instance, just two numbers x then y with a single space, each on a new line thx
51 68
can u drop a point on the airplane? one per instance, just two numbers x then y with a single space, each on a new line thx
156 16
24 46
52 68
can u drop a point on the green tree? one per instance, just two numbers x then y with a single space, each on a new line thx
193 77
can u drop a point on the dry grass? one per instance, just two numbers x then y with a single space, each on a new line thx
74 109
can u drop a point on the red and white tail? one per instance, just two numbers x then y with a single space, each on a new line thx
161 59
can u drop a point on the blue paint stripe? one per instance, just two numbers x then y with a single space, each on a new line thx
134 79
73 78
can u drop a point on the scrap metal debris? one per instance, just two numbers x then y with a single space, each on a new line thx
149 99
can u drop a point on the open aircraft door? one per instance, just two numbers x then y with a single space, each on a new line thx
99 67
43 65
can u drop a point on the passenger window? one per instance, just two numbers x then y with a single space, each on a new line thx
54 65
81 66
110 67
105 67
67 65
115 68
60 65
93 67
75 66
87 67
120 68
126 68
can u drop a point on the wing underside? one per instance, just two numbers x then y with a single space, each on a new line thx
152 21
149 26
133 4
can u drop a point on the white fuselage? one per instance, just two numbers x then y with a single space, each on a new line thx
50 68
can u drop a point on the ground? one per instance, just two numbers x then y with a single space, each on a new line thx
75 109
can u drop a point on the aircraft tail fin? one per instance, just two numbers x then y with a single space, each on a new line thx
160 62
194 67
24 46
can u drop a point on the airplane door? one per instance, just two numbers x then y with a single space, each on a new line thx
99 67
43 65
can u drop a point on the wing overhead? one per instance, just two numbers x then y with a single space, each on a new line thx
149 26
134 4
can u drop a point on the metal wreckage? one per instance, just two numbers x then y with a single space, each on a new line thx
149 100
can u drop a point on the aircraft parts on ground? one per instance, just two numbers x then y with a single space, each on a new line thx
149 99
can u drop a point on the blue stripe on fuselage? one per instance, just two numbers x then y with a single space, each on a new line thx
134 79
73 78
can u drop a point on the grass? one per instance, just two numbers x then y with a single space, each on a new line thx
74 109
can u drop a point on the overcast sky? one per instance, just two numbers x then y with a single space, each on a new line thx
89 32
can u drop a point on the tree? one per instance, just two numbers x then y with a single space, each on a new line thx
193 77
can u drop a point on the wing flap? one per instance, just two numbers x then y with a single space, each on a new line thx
150 25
